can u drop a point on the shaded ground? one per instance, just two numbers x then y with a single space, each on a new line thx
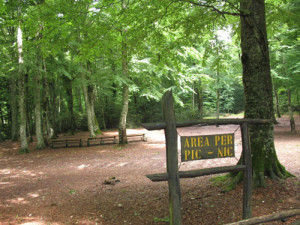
67 185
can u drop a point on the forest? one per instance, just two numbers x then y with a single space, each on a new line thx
85 68
83 65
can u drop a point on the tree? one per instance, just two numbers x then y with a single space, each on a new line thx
256 80
21 82
258 90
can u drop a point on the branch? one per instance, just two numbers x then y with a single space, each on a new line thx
213 8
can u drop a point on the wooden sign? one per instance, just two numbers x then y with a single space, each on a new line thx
207 147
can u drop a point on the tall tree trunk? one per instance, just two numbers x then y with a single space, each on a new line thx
14 109
2 132
48 129
38 111
218 79
29 122
22 111
2 116
91 94
218 104
292 120
68 85
258 90
125 94
88 107
199 99
52 107
276 102
24 144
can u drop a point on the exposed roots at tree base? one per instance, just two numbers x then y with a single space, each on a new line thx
229 181
23 150
39 147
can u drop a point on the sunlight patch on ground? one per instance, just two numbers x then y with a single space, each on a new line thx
82 166
35 221
4 183
103 151
18 174
122 164
32 223
5 171
17 201
33 195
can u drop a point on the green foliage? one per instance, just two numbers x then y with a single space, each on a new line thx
285 53
157 219
171 45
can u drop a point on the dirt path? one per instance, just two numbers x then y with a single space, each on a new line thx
67 185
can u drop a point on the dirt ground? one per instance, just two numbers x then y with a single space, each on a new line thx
106 184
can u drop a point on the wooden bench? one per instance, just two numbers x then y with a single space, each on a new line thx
143 136
101 140
66 143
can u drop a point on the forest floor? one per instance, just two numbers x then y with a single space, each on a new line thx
71 185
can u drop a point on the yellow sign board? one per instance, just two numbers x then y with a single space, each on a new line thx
207 147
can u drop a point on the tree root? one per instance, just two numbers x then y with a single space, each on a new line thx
230 181
23 150
39 147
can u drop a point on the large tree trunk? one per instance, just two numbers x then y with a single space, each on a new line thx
24 143
199 99
53 107
292 120
14 109
125 94
29 121
276 102
48 129
38 111
258 90
88 107
91 94
92 97
68 84
218 80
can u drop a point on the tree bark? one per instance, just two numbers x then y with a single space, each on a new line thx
276 102
125 94
258 90
292 120
29 122
68 85
125 91
52 107
199 99
2 122
38 111
22 111
14 109
218 80
88 107
91 94
48 129
24 144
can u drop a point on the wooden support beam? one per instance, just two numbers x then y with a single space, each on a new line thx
268 218
172 158
196 173
247 192
206 122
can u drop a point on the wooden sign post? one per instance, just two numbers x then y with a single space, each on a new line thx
201 147
172 159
